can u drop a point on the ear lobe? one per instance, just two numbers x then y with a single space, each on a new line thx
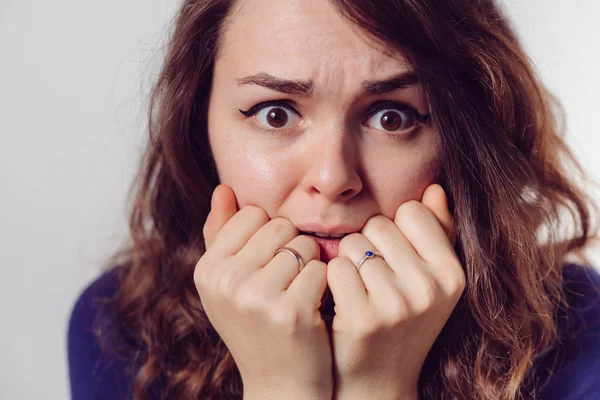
435 199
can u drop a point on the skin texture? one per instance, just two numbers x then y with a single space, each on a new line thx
333 165
388 315
265 312
328 167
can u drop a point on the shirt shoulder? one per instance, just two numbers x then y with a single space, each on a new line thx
573 367
93 372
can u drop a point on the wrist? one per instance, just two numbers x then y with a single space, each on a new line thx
356 392
278 393
255 395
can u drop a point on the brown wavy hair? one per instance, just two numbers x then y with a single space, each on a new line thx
504 165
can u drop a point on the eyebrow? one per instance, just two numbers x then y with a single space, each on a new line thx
305 88
400 81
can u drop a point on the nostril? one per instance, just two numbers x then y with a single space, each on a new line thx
347 193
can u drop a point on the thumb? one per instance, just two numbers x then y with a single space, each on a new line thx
435 199
223 207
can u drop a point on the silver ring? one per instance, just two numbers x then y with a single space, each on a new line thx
368 255
295 254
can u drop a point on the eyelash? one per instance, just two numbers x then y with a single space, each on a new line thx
419 118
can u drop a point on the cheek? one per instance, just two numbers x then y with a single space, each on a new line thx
257 174
256 178
406 180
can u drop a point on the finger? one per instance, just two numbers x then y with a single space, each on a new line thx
281 271
261 247
223 207
347 287
309 285
239 229
392 244
421 227
375 272
436 200
400 257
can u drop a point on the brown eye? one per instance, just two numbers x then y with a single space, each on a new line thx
276 117
391 120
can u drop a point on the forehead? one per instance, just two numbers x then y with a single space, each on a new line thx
302 39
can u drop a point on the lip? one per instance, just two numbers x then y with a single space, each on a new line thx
330 230
329 247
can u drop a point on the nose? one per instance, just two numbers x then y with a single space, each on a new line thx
333 167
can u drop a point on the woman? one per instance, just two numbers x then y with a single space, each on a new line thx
397 159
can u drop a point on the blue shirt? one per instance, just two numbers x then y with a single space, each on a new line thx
95 374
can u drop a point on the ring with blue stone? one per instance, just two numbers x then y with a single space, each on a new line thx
368 255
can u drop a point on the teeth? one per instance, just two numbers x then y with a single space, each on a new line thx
329 235
325 235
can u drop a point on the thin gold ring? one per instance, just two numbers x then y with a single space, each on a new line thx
295 254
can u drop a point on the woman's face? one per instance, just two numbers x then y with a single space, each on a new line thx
327 138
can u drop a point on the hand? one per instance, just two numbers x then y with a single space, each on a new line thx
264 310
389 314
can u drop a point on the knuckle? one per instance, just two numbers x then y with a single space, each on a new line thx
396 311
283 227
377 223
429 293
310 244
315 264
200 267
203 273
407 210
256 212
286 319
205 229
250 300
349 241
226 283
456 282
337 263
334 264
200 275
366 328
338 267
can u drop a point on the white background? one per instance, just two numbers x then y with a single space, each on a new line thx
73 81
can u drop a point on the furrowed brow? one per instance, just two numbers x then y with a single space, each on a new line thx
400 81
291 87
305 88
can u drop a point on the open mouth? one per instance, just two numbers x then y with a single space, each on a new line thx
328 247
328 243
324 235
